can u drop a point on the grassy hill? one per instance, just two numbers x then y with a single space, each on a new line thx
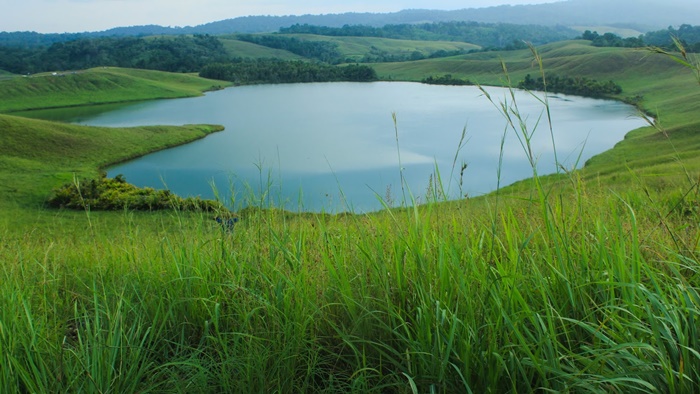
586 285
36 156
351 48
242 49
357 47
97 86
5 75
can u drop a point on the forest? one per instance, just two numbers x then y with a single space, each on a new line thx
248 71
175 54
581 86
687 35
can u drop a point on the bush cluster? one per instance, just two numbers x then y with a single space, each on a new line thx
580 86
446 80
248 71
108 194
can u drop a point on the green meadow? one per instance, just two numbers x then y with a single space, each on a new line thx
98 86
582 281
244 49
351 48
357 47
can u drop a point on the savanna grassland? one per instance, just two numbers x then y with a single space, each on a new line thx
582 281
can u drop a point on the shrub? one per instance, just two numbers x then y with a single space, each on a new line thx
109 194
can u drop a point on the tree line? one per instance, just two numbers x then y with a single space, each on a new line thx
447 79
175 54
688 35
580 86
323 51
252 71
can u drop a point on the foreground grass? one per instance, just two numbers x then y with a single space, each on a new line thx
590 295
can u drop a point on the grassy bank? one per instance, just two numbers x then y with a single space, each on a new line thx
583 292
97 86
36 156
589 286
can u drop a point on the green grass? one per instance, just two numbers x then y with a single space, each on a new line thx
357 47
352 48
586 296
97 86
242 49
569 283
6 75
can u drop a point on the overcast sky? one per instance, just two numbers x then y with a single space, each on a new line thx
59 16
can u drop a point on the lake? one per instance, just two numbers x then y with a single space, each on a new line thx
333 147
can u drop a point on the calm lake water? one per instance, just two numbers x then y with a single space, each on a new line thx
333 146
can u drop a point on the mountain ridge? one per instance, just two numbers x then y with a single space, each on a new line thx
641 15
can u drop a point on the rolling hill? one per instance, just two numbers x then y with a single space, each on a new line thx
97 86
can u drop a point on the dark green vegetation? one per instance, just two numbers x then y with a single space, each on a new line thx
688 35
192 54
115 194
585 281
580 86
278 71
446 80
176 54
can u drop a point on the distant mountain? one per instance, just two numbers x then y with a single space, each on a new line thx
639 15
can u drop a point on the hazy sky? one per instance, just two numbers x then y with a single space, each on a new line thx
59 16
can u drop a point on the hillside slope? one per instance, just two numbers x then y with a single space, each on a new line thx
97 86
36 155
